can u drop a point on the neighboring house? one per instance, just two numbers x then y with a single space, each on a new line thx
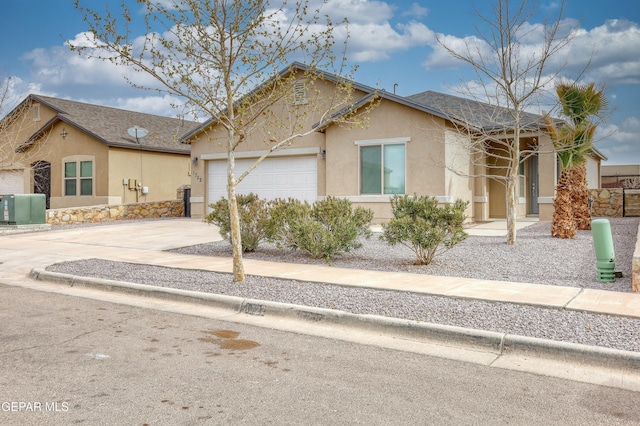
79 154
620 176
416 144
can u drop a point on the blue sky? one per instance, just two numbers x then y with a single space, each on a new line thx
392 42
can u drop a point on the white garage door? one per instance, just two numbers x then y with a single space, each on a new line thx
277 177
11 182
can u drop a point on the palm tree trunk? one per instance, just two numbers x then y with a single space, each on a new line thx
580 197
563 224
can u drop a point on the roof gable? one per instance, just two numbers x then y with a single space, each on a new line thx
369 93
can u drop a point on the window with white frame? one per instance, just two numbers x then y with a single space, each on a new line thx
382 166
78 178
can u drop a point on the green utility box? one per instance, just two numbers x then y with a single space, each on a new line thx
22 209
605 255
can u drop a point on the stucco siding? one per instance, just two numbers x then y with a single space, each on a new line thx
459 171
209 145
593 173
75 146
161 173
389 122
547 172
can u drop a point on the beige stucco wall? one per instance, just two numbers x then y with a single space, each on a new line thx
25 125
430 147
459 170
161 173
75 146
208 150
212 144
423 136
547 171
626 169
593 173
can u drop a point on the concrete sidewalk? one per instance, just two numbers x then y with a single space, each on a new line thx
144 242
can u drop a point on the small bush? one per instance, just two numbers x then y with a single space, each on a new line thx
325 230
428 230
284 217
254 216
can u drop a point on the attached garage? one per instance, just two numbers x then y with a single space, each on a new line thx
276 177
11 182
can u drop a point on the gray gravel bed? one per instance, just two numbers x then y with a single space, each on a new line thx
537 258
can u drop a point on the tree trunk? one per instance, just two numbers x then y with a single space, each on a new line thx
238 264
234 217
512 185
563 224
580 197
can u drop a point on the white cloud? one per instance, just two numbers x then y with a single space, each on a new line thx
358 11
440 58
59 72
604 51
416 11
372 37
620 143
153 104
374 42
609 47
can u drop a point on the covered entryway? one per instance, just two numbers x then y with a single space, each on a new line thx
277 177
42 180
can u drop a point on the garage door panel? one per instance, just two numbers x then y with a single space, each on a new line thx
280 177
11 182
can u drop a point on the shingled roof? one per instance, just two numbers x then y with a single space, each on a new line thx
479 115
110 125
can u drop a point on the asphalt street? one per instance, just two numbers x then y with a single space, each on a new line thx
76 360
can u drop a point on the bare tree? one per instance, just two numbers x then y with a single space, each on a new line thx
510 77
21 140
225 58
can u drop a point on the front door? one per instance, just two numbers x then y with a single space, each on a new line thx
533 185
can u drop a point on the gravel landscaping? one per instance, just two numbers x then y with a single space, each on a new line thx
536 258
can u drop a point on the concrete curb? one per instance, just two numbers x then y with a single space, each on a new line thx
499 344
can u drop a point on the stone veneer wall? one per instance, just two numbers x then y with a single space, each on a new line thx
156 209
606 202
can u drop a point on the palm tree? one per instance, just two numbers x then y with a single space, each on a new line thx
563 225
582 105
